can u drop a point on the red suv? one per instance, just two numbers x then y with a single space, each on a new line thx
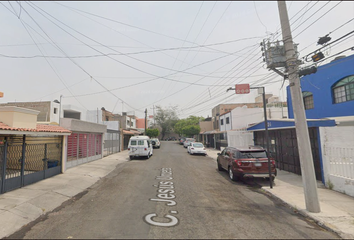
245 163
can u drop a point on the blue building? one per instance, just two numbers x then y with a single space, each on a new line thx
329 92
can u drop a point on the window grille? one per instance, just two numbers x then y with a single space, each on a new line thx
343 90
308 100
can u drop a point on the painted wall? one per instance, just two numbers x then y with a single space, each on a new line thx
225 126
18 117
239 138
337 147
243 116
54 115
320 85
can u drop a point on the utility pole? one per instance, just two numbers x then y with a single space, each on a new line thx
145 120
60 108
302 134
153 113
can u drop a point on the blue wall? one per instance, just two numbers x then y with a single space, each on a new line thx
320 84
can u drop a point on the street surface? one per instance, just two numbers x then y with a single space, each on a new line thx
172 195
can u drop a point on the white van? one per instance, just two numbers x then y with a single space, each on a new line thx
140 146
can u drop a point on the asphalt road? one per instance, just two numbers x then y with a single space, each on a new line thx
172 195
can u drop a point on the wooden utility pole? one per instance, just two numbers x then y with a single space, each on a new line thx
302 134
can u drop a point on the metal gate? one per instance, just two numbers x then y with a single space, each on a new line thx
284 149
23 164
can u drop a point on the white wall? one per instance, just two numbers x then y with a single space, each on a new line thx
92 115
337 147
54 117
75 108
243 116
225 126
239 138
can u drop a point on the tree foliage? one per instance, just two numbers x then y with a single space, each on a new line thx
188 126
166 118
152 133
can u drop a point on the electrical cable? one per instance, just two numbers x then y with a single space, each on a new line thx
73 60
317 19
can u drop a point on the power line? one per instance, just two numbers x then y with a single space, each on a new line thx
317 19
52 67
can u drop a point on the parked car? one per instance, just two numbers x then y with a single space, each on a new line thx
140 146
244 162
187 141
196 148
155 143
181 140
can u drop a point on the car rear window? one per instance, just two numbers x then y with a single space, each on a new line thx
141 142
252 154
198 145
133 142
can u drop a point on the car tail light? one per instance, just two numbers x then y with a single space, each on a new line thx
128 149
145 149
238 162
273 162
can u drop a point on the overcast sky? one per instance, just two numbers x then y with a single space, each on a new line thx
128 56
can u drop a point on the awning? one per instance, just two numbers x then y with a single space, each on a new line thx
126 132
134 131
214 132
290 123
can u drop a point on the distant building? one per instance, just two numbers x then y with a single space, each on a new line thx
48 110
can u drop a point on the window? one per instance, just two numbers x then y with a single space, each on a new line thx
133 142
308 100
222 121
227 120
343 90
55 110
141 142
106 118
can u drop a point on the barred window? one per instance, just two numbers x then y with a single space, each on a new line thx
343 90
227 120
222 121
308 100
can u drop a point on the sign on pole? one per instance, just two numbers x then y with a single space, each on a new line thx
1 94
242 88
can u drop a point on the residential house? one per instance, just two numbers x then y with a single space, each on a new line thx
48 110
328 97
111 141
29 152
205 127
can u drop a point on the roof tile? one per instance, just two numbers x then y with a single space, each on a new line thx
39 128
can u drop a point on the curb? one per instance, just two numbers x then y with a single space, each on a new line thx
304 213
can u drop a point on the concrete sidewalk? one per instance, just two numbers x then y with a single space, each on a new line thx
337 209
24 205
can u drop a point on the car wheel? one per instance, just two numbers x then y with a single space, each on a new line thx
219 166
148 156
131 157
232 176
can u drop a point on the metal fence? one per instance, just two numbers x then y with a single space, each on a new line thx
23 164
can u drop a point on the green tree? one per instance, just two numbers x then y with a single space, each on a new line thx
191 130
152 133
166 118
184 126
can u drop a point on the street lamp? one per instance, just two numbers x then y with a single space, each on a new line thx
244 89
